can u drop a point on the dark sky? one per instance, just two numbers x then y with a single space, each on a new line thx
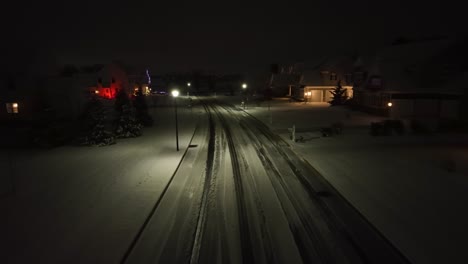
218 36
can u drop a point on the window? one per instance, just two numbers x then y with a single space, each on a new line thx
333 76
12 108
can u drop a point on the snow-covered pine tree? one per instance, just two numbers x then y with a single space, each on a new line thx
121 99
95 130
339 96
126 125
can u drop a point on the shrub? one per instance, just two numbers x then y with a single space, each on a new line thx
376 128
418 127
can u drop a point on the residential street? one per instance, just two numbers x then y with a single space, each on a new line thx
254 202
235 192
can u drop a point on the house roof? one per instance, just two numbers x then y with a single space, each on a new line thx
286 79
407 67
338 64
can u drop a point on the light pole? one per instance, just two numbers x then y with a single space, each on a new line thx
175 93
244 87
390 104
188 90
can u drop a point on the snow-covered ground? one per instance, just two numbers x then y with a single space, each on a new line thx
411 188
85 204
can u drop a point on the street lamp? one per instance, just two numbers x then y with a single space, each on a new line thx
244 87
390 104
175 93
188 90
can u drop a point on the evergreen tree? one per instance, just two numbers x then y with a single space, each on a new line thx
95 133
142 114
121 99
126 125
339 96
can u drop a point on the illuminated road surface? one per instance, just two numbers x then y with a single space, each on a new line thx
240 195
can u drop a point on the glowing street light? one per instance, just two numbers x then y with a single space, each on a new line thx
175 93
244 87
389 104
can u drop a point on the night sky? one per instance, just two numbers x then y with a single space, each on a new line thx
219 36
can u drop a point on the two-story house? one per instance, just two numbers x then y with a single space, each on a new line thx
413 80
316 84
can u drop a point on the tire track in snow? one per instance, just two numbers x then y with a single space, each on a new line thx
201 221
246 244
336 223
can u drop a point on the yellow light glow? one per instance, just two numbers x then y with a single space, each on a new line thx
244 85
12 108
175 93
389 104
96 92
188 84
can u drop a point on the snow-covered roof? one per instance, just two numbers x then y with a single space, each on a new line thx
285 79
340 65
410 66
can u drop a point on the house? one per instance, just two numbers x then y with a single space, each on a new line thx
23 78
109 79
30 95
285 78
412 80
316 84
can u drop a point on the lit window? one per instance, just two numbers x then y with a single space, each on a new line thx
12 108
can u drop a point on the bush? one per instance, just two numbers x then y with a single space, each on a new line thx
418 127
387 127
396 126
450 126
376 128
335 129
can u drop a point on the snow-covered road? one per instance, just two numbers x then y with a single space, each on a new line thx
254 202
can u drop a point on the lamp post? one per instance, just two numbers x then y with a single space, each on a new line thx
175 93
390 104
244 88
188 90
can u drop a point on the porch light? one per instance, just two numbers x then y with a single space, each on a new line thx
389 104
12 108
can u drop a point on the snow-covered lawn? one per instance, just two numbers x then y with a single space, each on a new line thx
85 204
411 188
